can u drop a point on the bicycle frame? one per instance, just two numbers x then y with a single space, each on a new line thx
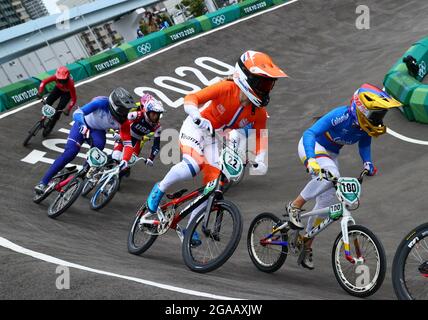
346 220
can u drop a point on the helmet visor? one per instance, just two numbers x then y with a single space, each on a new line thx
261 85
63 81
376 116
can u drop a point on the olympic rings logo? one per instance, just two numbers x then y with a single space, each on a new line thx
218 20
144 48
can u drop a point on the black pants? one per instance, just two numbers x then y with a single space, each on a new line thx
64 97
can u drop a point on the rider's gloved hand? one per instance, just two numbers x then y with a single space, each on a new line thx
39 96
149 162
116 136
66 112
84 130
370 167
204 124
133 115
313 166
123 165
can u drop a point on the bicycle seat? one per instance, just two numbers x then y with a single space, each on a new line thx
176 195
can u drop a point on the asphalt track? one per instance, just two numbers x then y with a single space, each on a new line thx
327 58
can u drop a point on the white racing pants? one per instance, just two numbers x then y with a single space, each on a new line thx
322 191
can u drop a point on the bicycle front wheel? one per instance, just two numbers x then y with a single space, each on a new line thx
267 251
104 195
364 277
66 198
410 266
32 133
205 250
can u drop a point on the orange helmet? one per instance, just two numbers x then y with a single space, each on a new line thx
256 74
62 74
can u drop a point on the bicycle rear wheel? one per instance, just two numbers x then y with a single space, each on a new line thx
66 198
266 256
410 266
104 195
140 237
365 278
32 133
218 243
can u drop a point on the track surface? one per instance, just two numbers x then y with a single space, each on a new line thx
316 42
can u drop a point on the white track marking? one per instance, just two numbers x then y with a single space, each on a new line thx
40 256
6 114
404 138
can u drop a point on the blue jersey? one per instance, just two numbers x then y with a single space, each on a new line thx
96 115
334 130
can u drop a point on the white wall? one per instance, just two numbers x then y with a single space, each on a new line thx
42 60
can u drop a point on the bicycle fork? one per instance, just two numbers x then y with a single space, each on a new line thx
347 219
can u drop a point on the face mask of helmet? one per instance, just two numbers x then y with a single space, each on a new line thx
63 81
376 117
262 86
154 117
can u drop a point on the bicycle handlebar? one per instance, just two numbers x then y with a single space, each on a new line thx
327 175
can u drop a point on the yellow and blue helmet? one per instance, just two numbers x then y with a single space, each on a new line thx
368 107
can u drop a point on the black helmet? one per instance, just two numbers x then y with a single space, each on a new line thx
121 102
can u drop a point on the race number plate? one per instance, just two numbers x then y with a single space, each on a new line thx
232 165
336 211
349 190
96 158
48 111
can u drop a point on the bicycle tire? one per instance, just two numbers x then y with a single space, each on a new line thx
109 197
139 249
54 213
382 262
32 133
400 258
257 261
188 258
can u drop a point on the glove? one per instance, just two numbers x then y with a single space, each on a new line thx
84 130
116 136
313 166
133 115
39 96
66 112
260 169
123 165
370 168
149 162
204 124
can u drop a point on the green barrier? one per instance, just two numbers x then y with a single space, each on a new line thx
182 31
2 102
20 92
143 46
103 62
49 87
221 17
407 89
252 6
419 103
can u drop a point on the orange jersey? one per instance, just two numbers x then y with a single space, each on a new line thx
225 110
